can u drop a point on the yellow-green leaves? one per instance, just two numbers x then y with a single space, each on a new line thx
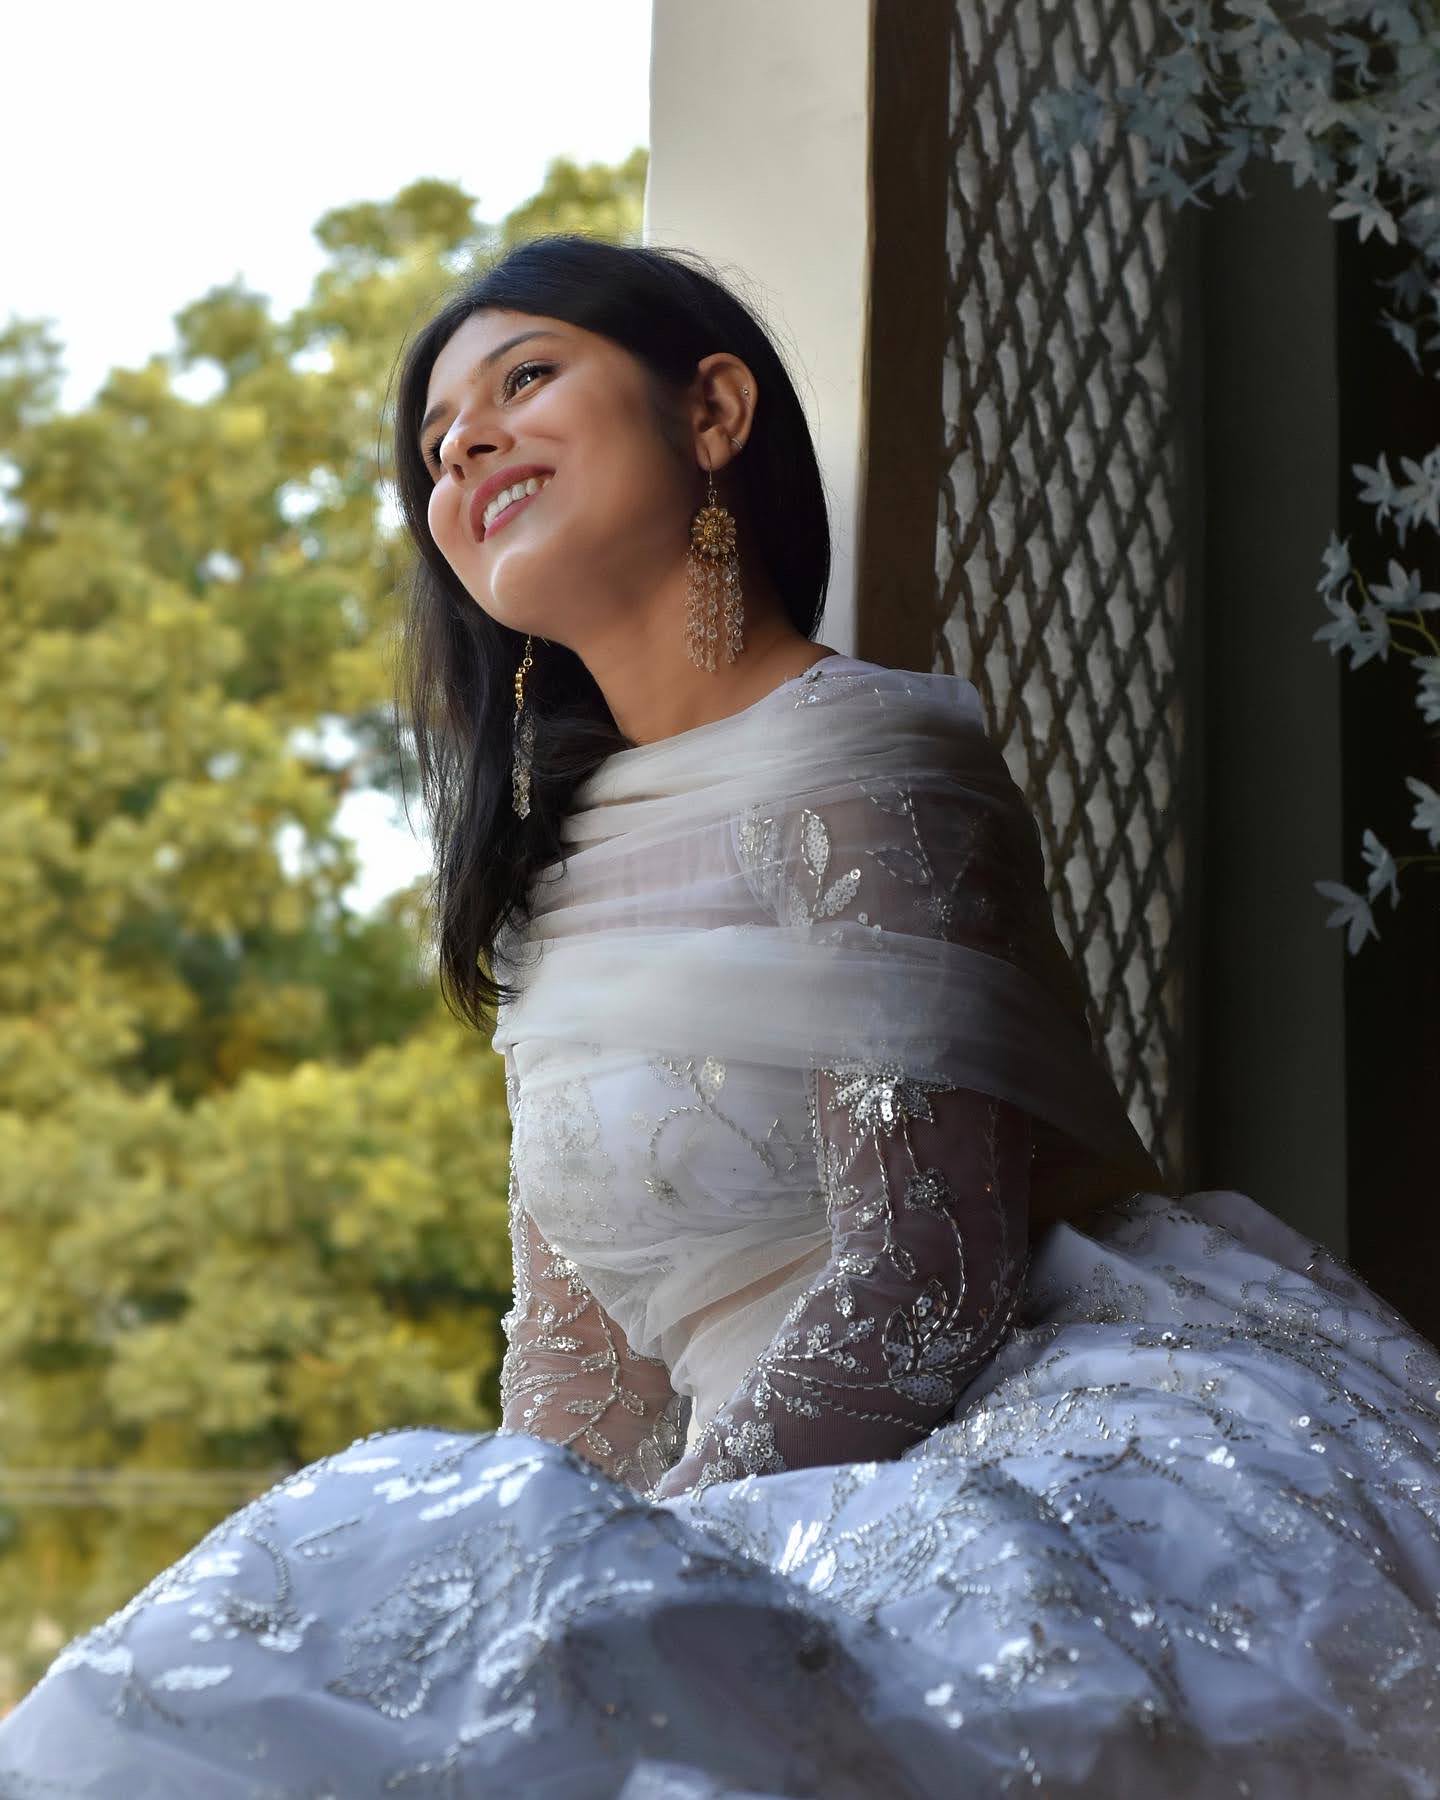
252 1172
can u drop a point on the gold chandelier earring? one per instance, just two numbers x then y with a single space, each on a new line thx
523 740
712 567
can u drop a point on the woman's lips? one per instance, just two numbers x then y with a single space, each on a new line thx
510 511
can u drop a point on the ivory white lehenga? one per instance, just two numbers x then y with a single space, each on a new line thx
873 1423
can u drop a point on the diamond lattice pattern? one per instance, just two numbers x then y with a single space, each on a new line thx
1058 549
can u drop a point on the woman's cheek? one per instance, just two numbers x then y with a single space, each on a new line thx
435 515
445 525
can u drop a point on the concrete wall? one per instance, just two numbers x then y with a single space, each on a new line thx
759 160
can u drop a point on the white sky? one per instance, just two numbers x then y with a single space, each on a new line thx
154 150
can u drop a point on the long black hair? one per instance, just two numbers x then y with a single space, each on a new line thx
457 666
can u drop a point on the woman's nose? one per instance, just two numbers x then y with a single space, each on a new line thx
463 445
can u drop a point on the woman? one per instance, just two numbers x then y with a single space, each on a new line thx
872 1422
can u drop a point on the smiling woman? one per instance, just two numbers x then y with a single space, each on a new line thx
617 379
872 1420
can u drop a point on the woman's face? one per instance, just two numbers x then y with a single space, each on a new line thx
575 410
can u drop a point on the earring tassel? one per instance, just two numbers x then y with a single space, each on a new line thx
524 742
713 586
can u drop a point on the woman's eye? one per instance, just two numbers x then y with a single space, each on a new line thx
512 379
507 388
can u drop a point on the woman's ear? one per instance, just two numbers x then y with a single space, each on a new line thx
724 408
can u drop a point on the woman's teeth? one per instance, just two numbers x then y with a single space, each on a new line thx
508 497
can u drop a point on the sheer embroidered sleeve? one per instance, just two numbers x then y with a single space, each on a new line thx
926 1185
568 1373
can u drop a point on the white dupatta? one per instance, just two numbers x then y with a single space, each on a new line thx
710 905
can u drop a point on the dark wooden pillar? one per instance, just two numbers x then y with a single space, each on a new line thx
897 621
1267 984
1392 986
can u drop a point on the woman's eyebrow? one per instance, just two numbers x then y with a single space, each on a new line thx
483 364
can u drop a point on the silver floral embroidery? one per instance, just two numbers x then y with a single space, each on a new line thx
559 1140
565 1359
897 1366
419 1634
773 1157
991 909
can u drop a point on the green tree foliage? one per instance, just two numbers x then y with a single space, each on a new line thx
252 1174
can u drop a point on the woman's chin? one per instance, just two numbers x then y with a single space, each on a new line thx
519 591
517 613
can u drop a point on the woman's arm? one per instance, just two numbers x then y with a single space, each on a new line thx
926 1191
569 1374
926 1186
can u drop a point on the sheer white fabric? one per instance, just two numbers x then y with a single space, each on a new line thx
927 1210
772 1080
812 1206
569 1374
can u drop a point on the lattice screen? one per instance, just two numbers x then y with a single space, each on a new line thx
1058 551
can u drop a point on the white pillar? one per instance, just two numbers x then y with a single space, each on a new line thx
759 160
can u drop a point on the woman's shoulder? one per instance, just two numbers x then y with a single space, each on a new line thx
874 765
839 680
